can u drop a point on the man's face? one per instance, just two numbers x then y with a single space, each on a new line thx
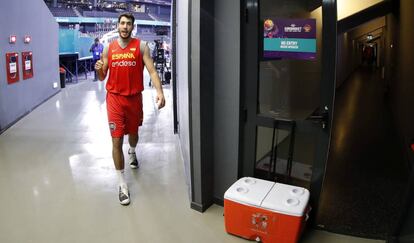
125 27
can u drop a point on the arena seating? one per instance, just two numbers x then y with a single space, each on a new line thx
156 10
63 12
163 17
142 16
100 14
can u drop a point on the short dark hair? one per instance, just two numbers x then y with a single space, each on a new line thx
96 39
128 16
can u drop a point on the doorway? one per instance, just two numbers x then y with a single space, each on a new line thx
350 160
366 176
287 95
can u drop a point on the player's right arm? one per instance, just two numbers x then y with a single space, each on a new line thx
101 66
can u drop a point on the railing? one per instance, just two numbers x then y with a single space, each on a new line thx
74 65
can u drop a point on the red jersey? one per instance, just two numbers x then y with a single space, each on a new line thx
126 68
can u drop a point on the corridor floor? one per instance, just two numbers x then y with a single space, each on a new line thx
366 175
58 184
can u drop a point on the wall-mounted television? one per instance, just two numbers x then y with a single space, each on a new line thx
289 39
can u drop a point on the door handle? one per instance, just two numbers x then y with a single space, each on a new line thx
321 118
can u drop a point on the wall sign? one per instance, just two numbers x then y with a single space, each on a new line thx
289 38
12 67
27 64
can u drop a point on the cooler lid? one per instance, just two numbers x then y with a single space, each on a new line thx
249 190
287 199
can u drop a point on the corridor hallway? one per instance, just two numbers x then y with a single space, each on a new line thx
58 184
365 176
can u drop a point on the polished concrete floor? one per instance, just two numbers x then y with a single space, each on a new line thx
58 184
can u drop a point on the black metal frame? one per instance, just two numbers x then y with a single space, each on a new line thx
174 64
249 73
276 126
329 45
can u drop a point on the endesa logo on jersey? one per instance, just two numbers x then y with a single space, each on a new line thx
124 62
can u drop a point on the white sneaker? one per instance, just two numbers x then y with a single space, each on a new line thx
133 161
124 195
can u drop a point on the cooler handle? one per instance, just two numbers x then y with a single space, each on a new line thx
307 213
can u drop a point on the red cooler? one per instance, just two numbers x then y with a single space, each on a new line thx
265 211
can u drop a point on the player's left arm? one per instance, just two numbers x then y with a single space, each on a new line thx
149 64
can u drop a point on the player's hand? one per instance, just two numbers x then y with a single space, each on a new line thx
98 65
160 100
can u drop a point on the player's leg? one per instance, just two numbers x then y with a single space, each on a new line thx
133 141
135 117
117 128
118 157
